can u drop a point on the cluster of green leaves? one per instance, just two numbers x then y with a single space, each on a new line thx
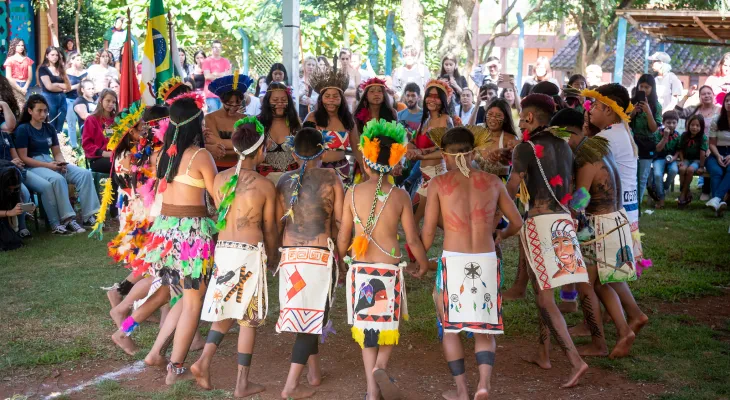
93 22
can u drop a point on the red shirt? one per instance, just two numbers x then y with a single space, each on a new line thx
18 69
214 65
93 139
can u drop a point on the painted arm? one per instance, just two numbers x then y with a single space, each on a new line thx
431 215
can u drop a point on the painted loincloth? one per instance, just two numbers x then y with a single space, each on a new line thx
429 173
610 247
553 251
632 212
305 288
376 302
237 288
468 294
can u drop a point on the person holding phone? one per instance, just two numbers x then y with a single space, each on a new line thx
38 148
97 130
450 72
487 93
645 120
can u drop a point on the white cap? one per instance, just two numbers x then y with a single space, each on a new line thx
660 56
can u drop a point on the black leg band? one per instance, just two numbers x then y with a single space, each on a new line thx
304 346
457 367
125 287
244 359
485 357
215 337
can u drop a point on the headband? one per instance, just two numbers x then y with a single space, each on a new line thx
623 114
440 85
296 179
172 150
482 137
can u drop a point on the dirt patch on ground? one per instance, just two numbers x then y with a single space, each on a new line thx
712 311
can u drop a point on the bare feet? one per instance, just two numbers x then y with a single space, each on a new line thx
539 360
637 324
314 376
123 341
567 307
201 372
247 390
388 389
118 315
481 394
198 342
580 330
455 395
623 346
513 293
299 392
575 376
155 360
591 350
114 297
172 377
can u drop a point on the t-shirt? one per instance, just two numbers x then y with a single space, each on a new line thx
619 142
214 65
44 71
37 141
253 108
18 68
667 87
465 115
413 121
723 137
73 79
6 143
670 148
90 107
693 147
98 74
643 136
417 73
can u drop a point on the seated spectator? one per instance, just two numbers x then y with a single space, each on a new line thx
38 149
665 157
692 150
9 206
84 104
718 164
102 71
93 137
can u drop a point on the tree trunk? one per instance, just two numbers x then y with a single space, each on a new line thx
345 33
412 20
76 26
454 34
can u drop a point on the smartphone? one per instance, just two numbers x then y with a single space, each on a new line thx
506 81
63 164
639 97
27 207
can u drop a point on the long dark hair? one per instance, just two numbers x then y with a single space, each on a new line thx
185 63
687 134
386 109
426 113
343 113
507 124
653 98
267 111
7 95
60 65
196 56
9 176
190 134
29 104
257 92
324 59
451 58
277 67
722 122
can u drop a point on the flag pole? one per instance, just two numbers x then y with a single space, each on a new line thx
169 33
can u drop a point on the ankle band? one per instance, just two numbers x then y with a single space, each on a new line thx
177 368
244 359
457 367
128 326
568 296
124 287
485 357
215 337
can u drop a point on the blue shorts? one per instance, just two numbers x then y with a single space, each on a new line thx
694 164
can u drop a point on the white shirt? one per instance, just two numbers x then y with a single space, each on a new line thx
253 108
667 87
98 75
619 140
418 74
465 115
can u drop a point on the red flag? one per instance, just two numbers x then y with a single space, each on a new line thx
128 87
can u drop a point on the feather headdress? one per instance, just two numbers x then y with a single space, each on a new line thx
482 137
168 87
124 121
328 78
230 83
439 84
372 82
620 111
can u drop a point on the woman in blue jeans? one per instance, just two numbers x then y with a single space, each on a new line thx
76 74
37 145
54 84
718 163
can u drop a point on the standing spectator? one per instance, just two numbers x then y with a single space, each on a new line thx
450 71
665 158
594 75
718 164
353 74
198 75
76 74
38 148
362 64
322 63
692 152
543 72
54 82
68 45
492 67
720 79
102 71
84 104
18 66
94 137
260 87
411 71
487 94
307 95
466 105
645 120
214 67
277 73
413 113
188 69
114 85
510 95
114 39
668 86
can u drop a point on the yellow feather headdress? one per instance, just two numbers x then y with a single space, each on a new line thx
624 114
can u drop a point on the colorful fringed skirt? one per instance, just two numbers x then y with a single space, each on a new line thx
376 302
134 225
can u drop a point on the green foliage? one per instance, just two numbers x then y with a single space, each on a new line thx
93 22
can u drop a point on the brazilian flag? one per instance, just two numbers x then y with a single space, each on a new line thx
157 66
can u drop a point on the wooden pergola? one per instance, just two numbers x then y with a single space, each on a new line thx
707 28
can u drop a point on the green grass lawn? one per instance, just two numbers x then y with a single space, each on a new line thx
56 315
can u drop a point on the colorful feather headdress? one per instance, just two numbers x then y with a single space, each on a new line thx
372 82
482 138
439 85
230 83
370 145
296 179
328 78
168 87
228 191
172 150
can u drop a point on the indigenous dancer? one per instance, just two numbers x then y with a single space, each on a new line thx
495 158
376 288
179 253
435 115
609 112
605 235
231 90
375 103
333 117
280 121
542 173
246 220
312 196
466 200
